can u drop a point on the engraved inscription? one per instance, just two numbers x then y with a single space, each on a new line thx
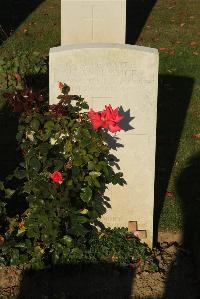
96 75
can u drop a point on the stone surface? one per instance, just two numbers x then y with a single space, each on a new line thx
88 21
127 76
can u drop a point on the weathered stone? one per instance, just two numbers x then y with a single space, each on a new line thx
127 76
88 21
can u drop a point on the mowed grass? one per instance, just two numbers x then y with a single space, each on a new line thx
39 30
173 28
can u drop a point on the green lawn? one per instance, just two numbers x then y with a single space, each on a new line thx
173 28
38 31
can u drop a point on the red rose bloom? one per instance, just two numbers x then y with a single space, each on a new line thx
108 119
95 118
56 177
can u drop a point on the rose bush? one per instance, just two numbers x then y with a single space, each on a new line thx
56 194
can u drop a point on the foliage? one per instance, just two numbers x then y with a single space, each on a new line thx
41 213
120 247
114 246
14 71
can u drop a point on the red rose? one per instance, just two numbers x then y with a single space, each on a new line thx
56 177
95 118
107 119
111 118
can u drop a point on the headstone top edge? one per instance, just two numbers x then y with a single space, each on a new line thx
93 0
103 46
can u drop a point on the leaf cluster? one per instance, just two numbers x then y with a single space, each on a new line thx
15 70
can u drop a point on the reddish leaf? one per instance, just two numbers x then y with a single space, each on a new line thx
164 50
193 44
17 77
1 240
171 7
168 194
197 135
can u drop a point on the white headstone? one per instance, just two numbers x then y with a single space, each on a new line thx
127 76
93 21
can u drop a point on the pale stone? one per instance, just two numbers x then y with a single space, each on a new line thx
127 76
93 21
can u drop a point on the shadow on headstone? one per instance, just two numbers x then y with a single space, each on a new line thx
137 12
13 13
125 122
184 279
77 281
174 95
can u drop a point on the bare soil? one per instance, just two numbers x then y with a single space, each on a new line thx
175 278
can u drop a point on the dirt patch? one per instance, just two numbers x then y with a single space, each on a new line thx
175 278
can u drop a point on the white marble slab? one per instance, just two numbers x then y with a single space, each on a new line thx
127 76
93 21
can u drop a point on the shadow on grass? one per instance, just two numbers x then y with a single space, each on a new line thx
9 157
137 12
174 95
185 278
13 13
83 281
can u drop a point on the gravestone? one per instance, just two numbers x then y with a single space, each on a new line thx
127 76
93 21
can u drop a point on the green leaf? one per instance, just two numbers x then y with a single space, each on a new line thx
35 124
68 148
55 257
75 171
1 185
95 174
82 219
67 240
35 164
77 252
14 257
44 148
85 105
96 183
49 125
86 194
20 174
23 258
21 245
28 245
91 165
9 193
58 164
78 230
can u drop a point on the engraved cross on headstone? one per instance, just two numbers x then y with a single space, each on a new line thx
93 21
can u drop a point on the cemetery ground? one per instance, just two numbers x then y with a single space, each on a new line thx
173 28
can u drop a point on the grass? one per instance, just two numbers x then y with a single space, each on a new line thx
38 29
173 28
